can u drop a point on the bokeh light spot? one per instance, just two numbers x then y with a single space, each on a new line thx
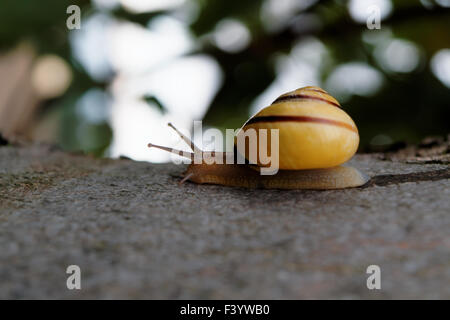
90 46
140 6
360 10
276 14
443 3
94 106
440 65
354 78
51 76
231 35
398 55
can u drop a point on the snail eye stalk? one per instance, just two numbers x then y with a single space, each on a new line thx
188 155
186 139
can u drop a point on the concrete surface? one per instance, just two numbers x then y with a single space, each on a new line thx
136 233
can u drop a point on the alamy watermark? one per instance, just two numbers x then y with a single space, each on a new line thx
374 280
74 20
374 17
74 280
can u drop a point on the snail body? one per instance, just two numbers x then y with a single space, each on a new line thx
237 175
315 138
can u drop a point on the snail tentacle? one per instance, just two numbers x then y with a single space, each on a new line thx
188 141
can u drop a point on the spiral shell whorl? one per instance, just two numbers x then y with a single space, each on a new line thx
311 92
314 132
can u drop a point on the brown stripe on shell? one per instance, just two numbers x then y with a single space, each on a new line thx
301 119
304 96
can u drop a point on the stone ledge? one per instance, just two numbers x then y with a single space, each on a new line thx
136 233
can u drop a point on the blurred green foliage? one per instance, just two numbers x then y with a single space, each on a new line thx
408 107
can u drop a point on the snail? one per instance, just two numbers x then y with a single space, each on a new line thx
315 137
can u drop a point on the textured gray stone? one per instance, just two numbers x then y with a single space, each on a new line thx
136 233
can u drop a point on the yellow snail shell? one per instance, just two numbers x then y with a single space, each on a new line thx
314 132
